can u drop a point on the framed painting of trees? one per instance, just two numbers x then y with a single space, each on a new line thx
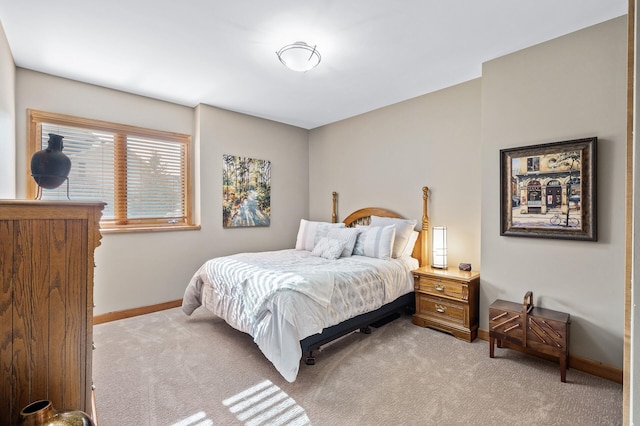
549 190
246 192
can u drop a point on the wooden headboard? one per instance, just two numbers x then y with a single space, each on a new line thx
363 217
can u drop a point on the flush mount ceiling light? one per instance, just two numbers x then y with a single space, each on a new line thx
299 56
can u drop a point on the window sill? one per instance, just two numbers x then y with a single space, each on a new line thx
138 228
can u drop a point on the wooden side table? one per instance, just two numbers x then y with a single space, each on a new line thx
447 300
538 329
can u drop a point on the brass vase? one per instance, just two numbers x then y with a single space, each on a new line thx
41 413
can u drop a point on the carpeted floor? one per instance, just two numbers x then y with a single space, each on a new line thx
169 369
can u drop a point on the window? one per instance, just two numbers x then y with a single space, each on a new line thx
533 164
142 174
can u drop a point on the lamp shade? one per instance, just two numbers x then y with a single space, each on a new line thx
439 247
299 56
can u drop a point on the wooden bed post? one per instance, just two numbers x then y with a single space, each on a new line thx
425 227
334 212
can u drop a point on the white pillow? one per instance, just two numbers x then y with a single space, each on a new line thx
328 248
375 241
309 233
404 227
348 236
408 250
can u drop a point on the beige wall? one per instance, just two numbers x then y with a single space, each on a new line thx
140 269
384 158
571 87
226 132
7 119
568 88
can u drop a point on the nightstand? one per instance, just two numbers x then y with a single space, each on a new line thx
447 300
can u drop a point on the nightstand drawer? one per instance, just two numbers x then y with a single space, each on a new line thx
442 287
443 310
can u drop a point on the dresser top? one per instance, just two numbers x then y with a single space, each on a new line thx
36 203
36 209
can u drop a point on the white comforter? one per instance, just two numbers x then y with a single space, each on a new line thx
281 297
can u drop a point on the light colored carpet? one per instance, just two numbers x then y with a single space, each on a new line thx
169 369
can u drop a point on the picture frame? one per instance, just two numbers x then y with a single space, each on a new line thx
246 192
549 190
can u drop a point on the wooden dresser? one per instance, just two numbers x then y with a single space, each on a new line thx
447 300
46 304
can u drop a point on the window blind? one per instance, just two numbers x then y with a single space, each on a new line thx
143 178
155 179
92 165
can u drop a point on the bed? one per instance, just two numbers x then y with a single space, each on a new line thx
340 277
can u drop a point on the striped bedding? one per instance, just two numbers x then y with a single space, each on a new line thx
281 297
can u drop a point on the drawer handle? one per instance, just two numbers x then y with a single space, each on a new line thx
441 309
439 287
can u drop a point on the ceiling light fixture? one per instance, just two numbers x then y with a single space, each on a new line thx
299 56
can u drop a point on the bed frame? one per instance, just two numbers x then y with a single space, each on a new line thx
404 304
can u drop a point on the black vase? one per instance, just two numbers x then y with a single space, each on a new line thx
50 167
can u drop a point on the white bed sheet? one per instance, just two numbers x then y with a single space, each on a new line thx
281 297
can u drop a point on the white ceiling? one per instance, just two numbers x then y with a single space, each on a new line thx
222 52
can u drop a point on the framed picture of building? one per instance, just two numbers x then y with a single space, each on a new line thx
246 192
549 190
